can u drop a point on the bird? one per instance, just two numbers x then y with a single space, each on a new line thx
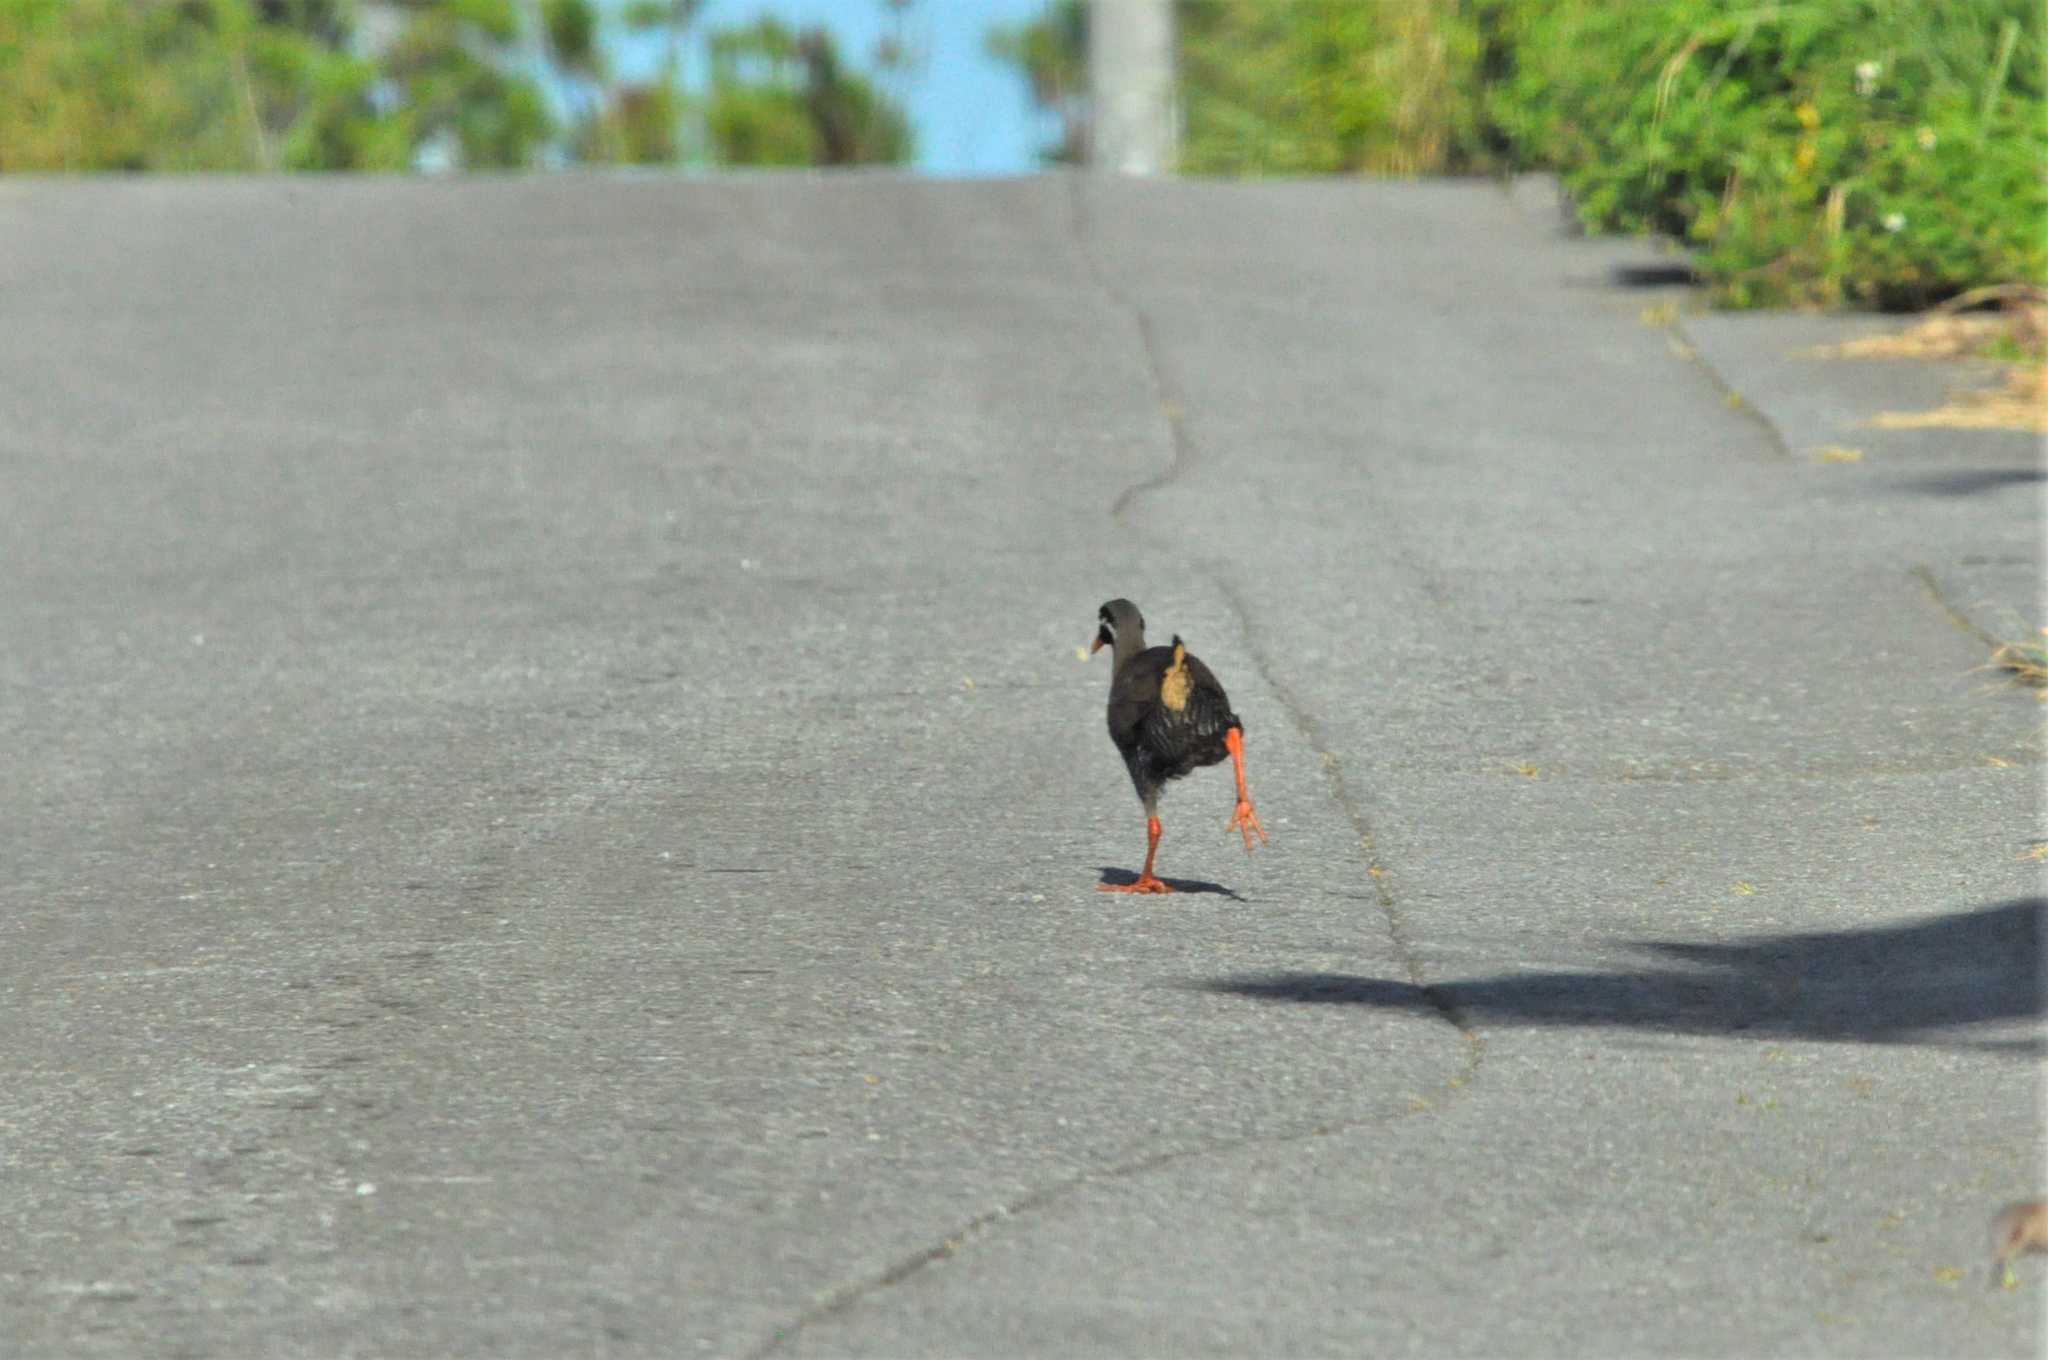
2016 1230
1169 717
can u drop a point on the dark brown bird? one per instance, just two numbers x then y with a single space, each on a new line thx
1168 716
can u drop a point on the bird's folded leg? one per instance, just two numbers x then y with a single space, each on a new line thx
1244 819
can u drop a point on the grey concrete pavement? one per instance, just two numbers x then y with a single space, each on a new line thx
555 808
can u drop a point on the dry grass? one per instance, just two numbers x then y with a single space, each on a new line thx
2020 404
2008 321
2026 662
2009 318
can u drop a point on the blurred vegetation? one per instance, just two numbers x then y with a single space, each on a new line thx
256 85
779 97
355 85
1051 51
1884 153
1323 86
446 74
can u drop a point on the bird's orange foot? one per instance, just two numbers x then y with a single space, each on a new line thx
1145 883
1246 821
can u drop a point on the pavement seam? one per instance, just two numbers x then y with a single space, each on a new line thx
1681 343
1684 347
1960 617
841 1300
1924 574
1167 397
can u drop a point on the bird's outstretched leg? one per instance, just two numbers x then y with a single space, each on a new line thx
1146 882
1243 820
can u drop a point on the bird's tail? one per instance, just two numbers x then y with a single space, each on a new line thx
1175 684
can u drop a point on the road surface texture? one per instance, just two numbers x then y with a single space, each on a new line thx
553 807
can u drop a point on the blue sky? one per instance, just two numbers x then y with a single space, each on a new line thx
972 114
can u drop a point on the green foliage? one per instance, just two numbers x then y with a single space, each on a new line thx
1304 87
1321 86
97 84
675 17
1879 152
1886 152
639 125
755 114
282 85
323 109
1051 52
493 20
642 15
448 84
324 21
252 85
779 97
571 28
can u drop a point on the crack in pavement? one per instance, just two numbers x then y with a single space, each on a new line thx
1682 345
1924 574
844 1298
1165 395
1173 410
1689 352
1341 794
1685 348
839 1301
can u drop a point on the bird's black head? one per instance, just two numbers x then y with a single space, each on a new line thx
1119 620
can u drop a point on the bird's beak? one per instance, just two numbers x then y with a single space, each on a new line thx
1096 645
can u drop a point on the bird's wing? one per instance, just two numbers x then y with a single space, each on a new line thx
1195 728
1192 712
1207 697
1134 698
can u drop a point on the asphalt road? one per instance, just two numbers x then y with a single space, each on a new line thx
553 806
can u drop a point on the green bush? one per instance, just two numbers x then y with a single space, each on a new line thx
1881 152
239 85
1323 86
784 97
228 85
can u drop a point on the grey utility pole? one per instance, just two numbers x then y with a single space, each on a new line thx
1130 81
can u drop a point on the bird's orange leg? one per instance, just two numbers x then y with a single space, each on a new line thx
1146 882
1243 820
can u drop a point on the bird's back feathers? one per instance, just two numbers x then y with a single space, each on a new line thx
1168 715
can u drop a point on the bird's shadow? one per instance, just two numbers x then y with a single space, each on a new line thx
1119 877
1929 981
1970 481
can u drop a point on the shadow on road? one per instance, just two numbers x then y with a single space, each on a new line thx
1971 482
1186 885
1656 274
1913 983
